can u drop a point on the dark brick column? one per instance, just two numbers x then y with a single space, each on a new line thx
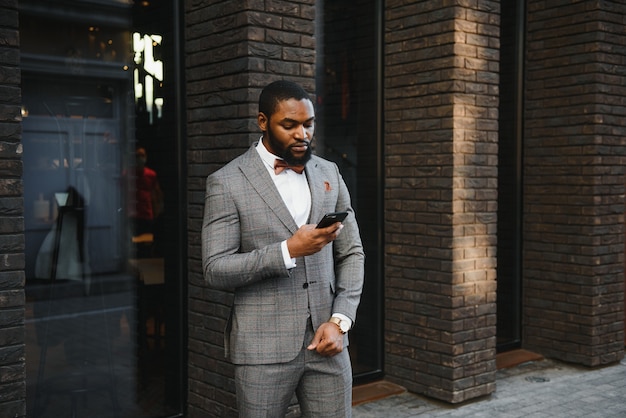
231 54
441 98
12 349
575 153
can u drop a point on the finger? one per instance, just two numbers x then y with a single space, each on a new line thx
332 348
315 342
314 345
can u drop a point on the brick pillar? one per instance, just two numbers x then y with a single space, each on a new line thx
12 349
231 54
574 153
441 98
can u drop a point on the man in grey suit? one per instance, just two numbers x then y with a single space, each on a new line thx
296 287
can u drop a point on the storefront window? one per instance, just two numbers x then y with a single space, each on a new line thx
100 209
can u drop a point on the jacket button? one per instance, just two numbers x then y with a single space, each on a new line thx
304 286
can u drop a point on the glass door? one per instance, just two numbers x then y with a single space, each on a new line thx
509 293
348 132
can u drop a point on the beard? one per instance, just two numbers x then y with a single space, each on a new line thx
285 152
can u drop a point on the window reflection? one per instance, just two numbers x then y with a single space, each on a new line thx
96 335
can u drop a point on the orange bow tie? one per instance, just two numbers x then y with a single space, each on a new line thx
281 165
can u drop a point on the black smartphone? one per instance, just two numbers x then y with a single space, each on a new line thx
331 218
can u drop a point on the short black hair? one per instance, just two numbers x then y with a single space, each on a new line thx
279 91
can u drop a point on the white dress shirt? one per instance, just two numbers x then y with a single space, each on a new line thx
294 189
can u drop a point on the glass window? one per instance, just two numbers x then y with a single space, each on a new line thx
103 263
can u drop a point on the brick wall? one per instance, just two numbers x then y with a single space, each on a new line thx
441 98
12 357
575 154
231 54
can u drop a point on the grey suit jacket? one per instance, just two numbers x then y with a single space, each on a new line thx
245 220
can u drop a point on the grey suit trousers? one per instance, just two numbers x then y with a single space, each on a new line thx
323 385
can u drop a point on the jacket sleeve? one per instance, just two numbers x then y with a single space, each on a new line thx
224 265
349 259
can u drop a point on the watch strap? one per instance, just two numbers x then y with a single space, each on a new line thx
337 321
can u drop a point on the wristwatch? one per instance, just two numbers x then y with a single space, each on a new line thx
341 324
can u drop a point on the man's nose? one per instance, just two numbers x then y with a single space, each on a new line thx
301 132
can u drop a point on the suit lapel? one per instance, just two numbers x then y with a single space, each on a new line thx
255 172
314 177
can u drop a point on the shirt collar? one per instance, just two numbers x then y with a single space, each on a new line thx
267 157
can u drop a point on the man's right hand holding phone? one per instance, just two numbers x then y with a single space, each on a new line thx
311 238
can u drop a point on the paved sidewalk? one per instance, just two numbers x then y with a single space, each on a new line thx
534 389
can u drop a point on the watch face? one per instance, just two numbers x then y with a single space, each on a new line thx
343 325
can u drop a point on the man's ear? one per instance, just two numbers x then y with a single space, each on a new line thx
262 121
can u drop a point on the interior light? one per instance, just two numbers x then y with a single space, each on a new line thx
158 102
149 96
138 85
148 73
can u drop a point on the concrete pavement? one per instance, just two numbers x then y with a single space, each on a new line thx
534 389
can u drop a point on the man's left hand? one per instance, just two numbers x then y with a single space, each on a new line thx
328 340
